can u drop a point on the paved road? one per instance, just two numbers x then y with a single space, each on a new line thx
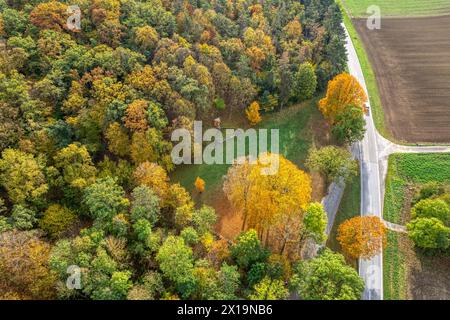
370 270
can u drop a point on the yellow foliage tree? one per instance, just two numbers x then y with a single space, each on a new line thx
141 148
252 113
199 184
146 37
118 141
153 176
362 237
343 90
269 201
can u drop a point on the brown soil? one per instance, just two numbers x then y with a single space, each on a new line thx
411 61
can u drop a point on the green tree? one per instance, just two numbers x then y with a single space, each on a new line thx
21 174
269 289
305 83
315 222
23 218
145 204
432 208
349 125
429 233
204 219
104 199
228 283
177 264
332 162
327 277
248 250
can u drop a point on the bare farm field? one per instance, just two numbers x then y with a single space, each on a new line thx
411 61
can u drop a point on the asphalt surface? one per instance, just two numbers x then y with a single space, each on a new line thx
370 270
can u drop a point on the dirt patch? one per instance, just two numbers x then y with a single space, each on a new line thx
411 61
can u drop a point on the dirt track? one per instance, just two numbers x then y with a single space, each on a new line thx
411 61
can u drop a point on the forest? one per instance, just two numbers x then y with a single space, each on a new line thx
87 209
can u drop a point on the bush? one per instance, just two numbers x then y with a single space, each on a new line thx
429 190
431 208
429 233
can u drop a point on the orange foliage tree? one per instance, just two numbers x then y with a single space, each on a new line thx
362 237
343 90
199 184
136 116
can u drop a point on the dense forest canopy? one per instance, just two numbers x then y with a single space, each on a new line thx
85 123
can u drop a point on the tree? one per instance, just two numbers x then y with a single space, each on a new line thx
104 199
199 184
252 113
21 174
145 204
153 176
429 233
75 165
142 149
305 82
362 237
23 218
248 250
204 219
24 269
56 220
118 141
270 200
332 162
269 289
349 126
327 277
343 90
136 116
431 208
50 15
315 222
227 283
237 186
146 38
177 264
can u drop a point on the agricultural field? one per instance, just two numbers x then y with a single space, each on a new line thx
409 273
410 60
395 8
